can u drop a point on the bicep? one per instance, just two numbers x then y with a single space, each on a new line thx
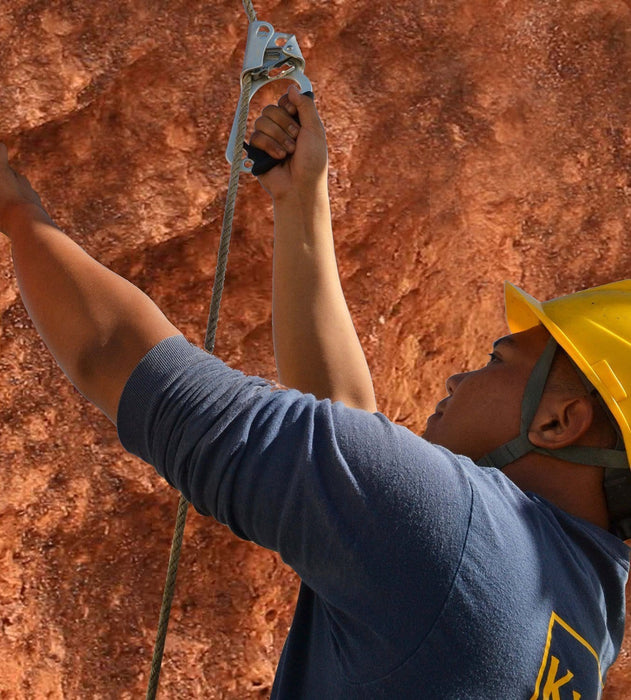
104 374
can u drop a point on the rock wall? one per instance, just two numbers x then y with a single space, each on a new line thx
471 141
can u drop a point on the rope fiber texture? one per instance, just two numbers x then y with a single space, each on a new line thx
247 4
209 345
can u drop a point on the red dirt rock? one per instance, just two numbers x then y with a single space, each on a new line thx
470 142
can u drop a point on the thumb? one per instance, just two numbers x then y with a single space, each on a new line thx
307 112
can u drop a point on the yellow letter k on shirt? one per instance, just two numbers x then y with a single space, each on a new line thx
551 688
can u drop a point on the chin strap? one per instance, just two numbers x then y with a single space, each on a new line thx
617 477
617 486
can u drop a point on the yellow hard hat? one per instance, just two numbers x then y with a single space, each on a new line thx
594 328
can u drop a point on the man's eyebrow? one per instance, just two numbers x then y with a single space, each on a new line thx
506 340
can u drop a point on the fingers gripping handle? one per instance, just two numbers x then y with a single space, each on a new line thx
269 56
262 161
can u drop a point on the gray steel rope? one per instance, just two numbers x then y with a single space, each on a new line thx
247 4
209 344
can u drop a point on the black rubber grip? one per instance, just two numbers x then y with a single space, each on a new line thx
262 160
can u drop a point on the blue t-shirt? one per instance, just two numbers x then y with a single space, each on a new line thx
423 575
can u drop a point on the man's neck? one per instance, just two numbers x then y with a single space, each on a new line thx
575 488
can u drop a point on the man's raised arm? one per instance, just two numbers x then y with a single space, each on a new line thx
316 347
96 324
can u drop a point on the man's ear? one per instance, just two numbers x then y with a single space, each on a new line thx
560 421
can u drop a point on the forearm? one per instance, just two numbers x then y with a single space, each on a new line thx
316 347
96 324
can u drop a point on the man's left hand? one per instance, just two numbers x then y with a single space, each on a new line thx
15 189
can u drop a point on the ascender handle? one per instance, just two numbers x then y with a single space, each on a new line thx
262 161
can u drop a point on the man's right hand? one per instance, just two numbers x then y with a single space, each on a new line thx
278 133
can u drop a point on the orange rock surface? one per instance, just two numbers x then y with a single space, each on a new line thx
470 142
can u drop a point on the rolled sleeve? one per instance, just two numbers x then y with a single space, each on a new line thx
366 512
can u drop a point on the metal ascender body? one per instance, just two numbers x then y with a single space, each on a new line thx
269 55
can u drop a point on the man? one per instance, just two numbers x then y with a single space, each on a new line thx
423 574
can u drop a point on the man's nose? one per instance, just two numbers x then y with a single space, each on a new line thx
453 382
